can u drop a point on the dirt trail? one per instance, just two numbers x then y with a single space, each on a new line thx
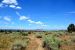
35 43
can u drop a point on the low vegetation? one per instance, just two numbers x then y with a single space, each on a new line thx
8 40
52 40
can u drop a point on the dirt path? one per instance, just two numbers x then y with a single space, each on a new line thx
35 43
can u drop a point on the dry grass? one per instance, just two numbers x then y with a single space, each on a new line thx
67 41
8 40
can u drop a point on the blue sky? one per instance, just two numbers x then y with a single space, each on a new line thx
36 14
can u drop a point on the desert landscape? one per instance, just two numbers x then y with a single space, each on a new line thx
37 24
38 40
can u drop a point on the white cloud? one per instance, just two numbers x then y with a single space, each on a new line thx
39 22
7 19
1 5
10 3
34 22
18 7
12 6
18 14
30 21
15 7
23 18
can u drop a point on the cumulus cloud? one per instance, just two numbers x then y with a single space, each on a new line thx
23 18
7 19
18 7
39 22
30 20
11 3
36 22
12 6
15 7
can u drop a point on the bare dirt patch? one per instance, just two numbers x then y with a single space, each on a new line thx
70 46
35 43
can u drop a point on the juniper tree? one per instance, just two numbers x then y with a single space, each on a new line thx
71 28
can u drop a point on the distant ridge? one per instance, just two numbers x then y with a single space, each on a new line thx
36 30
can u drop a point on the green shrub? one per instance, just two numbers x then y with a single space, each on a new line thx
24 33
52 42
73 38
29 32
39 36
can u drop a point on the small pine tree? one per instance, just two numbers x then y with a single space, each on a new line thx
71 28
